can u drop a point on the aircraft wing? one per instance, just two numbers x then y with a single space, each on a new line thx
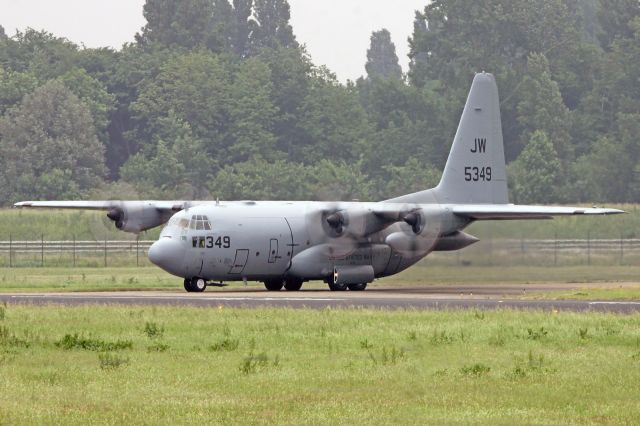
515 212
99 205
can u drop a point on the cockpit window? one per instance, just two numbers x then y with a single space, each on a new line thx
200 223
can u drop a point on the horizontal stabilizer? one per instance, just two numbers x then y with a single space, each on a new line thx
513 212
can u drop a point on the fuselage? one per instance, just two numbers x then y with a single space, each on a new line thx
257 241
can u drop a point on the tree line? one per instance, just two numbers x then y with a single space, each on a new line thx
218 99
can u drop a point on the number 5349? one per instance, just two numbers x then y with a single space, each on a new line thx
477 174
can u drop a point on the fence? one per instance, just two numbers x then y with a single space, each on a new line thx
548 252
29 253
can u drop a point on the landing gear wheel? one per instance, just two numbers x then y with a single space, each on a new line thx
337 287
195 285
274 285
199 285
358 287
293 284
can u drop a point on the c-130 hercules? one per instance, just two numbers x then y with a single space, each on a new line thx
346 244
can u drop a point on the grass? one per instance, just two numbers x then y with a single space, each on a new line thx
317 367
622 293
65 279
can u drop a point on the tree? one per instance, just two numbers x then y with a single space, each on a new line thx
542 108
13 87
195 87
49 146
259 179
332 124
188 24
382 61
270 25
251 113
536 172
95 96
3 35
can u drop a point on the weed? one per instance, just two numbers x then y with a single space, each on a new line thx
442 372
413 336
132 280
475 370
388 356
153 330
535 362
157 347
9 340
2 313
109 361
76 341
518 372
252 363
583 333
536 334
364 344
225 345
479 314
636 356
441 337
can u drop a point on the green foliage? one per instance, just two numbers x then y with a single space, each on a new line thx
78 341
109 361
475 370
536 173
214 87
48 146
153 330
382 61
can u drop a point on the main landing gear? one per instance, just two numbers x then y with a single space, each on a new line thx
195 285
344 287
289 284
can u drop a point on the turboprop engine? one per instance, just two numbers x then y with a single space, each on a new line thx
136 217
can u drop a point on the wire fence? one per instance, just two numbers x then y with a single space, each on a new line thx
41 252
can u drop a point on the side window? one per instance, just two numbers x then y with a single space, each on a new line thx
194 241
201 242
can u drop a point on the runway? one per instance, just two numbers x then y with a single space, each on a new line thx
419 298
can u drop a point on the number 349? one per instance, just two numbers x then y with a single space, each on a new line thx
477 174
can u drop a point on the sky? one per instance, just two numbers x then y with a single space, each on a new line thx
336 32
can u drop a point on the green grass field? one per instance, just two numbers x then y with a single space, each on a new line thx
114 365
64 279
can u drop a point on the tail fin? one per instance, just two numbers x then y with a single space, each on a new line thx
475 172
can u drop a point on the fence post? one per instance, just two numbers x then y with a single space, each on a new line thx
555 250
42 250
74 250
10 251
621 247
105 251
138 250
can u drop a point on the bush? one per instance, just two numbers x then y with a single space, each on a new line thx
76 341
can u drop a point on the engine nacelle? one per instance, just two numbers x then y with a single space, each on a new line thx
138 216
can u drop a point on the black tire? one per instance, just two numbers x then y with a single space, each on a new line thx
187 285
293 284
198 284
337 287
358 287
274 285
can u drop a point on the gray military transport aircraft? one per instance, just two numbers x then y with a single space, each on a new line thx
346 244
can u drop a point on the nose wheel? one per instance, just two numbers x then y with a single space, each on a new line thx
195 285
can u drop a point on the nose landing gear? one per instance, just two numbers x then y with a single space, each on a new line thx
195 285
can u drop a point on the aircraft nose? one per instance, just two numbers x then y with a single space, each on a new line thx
167 254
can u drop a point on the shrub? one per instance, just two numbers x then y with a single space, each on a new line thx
475 370
153 330
76 341
109 361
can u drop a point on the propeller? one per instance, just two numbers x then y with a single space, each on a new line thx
117 215
336 227
420 237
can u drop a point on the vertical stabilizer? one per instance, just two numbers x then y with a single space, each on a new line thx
475 172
